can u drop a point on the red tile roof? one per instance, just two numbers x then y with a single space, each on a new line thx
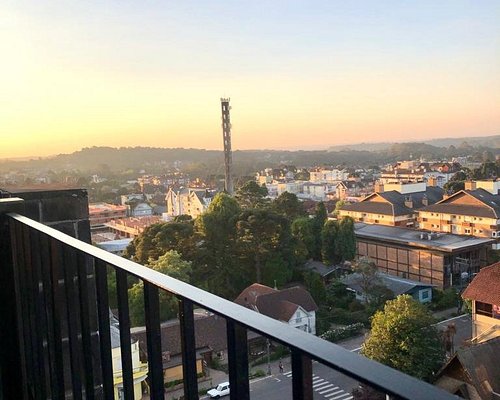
485 287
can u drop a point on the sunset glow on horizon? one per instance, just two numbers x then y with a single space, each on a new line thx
299 75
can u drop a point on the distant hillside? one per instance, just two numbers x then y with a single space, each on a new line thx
199 162
491 142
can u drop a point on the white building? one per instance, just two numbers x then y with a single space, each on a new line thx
188 201
293 306
326 175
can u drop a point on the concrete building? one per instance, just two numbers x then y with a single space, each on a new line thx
473 212
442 260
328 175
101 213
394 204
132 226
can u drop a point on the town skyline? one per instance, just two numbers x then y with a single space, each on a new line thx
298 76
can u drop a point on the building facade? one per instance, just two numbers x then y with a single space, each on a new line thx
467 212
442 260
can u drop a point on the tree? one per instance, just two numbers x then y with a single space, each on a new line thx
303 232
371 284
170 264
403 337
215 264
452 187
346 242
315 286
159 238
320 217
263 235
251 195
329 236
338 205
288 204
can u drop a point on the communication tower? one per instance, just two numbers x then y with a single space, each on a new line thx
228 155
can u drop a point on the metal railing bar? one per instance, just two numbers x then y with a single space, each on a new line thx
69 266
302 388
26 309
125 339
15 249
104 333
188 346
40 321
153 334
237 355
83 291
54 346
351 364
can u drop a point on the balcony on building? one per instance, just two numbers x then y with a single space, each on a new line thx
59 342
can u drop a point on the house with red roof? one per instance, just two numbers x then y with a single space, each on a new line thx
484 291
294 306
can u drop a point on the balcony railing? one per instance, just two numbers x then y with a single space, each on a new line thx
56 326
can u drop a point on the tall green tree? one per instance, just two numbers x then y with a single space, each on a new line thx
346 239
329 245
303 231
263 235
320 217
315 286
289 205
215 264
251 195
403 337
170 264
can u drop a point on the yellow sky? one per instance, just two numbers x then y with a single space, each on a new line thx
61 91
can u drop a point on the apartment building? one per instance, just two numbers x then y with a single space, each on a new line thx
393 204
474 211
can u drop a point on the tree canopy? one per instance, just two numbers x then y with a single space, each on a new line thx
403 337
251 195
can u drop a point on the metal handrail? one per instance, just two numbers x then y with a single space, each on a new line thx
364 370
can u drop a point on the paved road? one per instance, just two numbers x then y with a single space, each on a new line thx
329 384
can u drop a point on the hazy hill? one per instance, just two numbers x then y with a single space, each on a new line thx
491 142
199 162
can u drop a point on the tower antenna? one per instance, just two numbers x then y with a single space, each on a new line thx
228 155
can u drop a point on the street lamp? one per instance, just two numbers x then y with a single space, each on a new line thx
268 344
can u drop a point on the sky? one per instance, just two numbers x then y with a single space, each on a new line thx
300 74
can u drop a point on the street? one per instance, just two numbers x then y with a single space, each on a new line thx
329 384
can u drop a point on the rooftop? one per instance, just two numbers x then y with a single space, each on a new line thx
446 242
485 287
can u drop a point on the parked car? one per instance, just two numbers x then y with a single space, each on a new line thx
222 389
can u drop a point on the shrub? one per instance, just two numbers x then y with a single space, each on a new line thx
441 300
344 332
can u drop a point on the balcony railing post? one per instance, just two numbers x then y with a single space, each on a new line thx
125 339
153 332
188 343
12 366
237 353
302 376
104 328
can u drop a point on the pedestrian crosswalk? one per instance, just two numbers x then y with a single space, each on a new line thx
328 390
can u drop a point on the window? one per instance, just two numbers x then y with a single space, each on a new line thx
425 294
467 231
484 308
